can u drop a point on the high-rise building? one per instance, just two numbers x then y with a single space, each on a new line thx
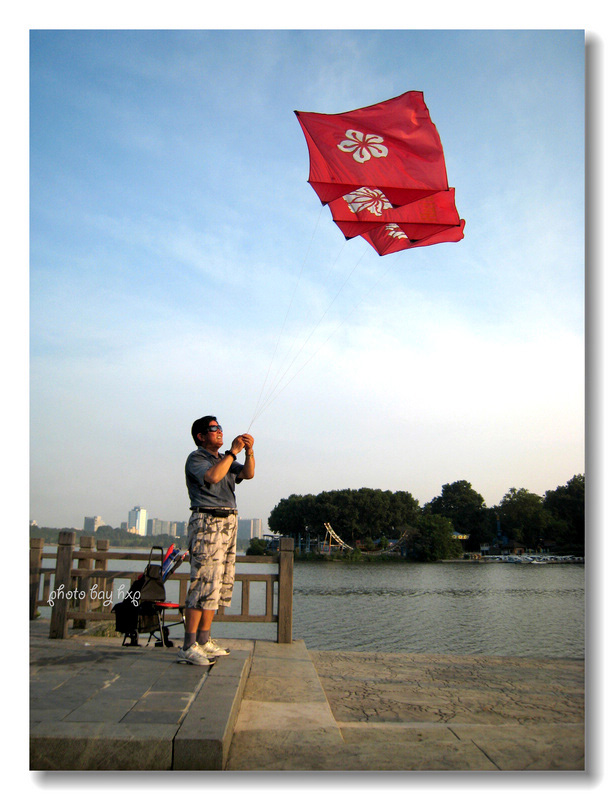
248 529
91 524
137 521
156 527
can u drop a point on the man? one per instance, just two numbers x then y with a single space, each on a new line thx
212 533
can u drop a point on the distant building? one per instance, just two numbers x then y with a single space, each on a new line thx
158 527
155 527
91 524
137 521
248 529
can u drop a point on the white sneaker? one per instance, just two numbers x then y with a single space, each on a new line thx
212 649
193 655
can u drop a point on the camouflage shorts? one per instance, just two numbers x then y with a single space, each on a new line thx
212 542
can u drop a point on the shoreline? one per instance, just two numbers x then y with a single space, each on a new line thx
371 558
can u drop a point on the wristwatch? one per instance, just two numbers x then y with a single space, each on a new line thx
230 453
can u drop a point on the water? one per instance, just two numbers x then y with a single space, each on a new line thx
459 609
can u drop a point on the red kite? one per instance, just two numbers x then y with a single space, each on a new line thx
381 170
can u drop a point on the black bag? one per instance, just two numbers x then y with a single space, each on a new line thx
127 612
148 619
153 590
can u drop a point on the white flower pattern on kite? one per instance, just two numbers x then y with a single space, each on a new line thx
366 199
362 146
395 232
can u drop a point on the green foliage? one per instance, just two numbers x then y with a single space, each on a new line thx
566 522
355 514
556 520
431 539
523 517
257 547
369 515
465 508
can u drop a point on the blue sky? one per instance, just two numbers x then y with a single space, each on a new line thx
170 220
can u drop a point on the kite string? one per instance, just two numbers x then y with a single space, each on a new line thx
276 379
298 280
271 395
313 355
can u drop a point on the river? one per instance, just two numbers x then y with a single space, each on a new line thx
451 608
460 609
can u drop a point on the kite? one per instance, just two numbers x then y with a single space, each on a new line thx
381 171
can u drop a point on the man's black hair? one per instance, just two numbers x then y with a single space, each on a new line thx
201 426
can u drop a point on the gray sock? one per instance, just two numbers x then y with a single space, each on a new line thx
188 640
202 637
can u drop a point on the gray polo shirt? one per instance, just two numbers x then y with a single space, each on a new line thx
210 495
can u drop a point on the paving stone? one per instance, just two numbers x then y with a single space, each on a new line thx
153 716
286 688
100 709
53 714
270 716
528 747
287 749
165 701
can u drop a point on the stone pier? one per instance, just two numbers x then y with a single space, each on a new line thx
96 705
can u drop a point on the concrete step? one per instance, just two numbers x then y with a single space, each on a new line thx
283 706
203 740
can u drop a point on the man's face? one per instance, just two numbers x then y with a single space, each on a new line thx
214 438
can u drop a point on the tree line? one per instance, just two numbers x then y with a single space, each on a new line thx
117 537
522 519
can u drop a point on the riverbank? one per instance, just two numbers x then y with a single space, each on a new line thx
395 558
96 705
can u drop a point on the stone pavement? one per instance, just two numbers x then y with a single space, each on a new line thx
96 705
390 711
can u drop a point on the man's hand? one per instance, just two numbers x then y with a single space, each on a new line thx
237 445
248 441
249 469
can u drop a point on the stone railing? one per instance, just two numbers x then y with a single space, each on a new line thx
82 584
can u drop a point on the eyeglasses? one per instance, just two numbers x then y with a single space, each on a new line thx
213 428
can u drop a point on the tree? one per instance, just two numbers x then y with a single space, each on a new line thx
565 504
289 517
431 539
256 547
465 508
523 517
404 510
353 513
